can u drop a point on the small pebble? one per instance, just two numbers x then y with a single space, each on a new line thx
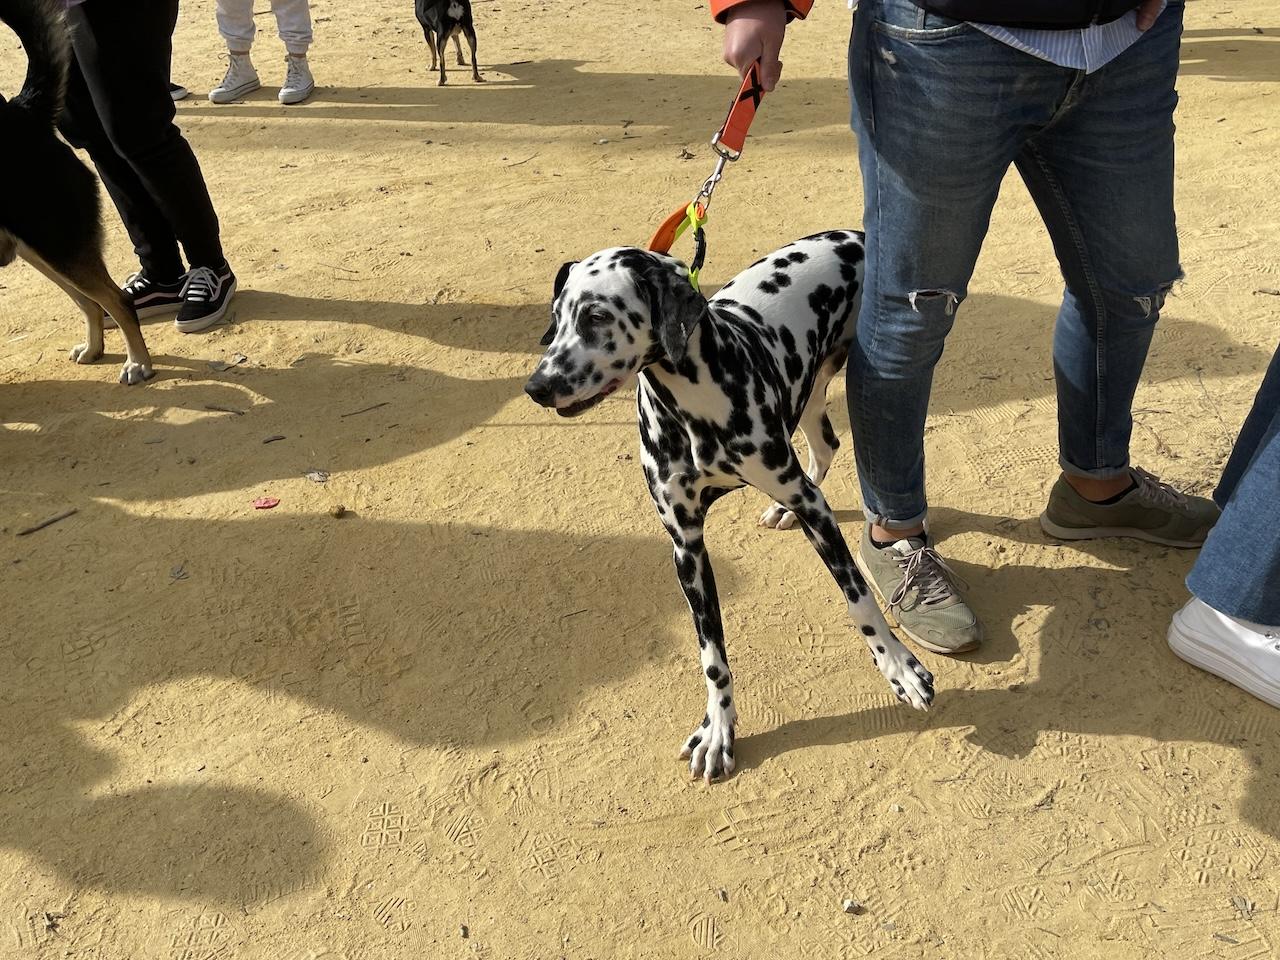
464 931
851 906
723 894
338 512
602 141
895 808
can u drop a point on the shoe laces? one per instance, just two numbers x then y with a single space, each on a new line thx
136 282
295 72
924 571
239 65
1154 490
201 284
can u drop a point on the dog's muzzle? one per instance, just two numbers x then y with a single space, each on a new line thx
541 390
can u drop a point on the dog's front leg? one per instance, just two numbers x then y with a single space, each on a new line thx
911 682
709 749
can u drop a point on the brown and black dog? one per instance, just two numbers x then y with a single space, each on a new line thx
442 19
49 207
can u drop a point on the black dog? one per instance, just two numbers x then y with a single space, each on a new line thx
442 19
723 384
49 211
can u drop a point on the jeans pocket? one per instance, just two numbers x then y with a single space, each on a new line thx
934 29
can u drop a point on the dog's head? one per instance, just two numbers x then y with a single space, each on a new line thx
612 315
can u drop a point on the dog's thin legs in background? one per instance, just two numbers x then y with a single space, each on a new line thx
911 682
709 749
442 43
471 42
457 45
431 45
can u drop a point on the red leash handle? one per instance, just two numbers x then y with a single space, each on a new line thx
728 143
731 138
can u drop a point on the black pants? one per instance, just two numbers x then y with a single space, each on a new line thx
118 108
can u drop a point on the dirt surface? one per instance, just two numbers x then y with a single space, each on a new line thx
445 725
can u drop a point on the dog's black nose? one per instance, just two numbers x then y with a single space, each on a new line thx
539 391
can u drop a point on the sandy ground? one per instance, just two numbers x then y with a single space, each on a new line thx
445 725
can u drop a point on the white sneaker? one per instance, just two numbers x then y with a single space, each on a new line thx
298 82
1246 654
241 80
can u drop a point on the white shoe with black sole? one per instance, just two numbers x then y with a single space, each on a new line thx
1242 653
205 298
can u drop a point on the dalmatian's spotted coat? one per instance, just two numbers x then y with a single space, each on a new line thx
723 384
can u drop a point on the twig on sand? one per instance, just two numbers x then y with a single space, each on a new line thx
50 522
525 160
365 409
219 409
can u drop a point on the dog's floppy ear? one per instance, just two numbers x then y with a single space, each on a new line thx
561 279
675 307
551 331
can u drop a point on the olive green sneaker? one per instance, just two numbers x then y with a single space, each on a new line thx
1152 511
917 587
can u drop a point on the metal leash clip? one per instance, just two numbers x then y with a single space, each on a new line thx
727 143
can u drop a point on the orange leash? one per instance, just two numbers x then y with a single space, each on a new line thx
728 143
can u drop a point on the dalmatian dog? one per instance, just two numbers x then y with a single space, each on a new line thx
722 386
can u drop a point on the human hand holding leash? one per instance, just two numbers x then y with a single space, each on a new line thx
755 31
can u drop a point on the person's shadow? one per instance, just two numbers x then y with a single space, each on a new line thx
129 769
1098 666
1247 53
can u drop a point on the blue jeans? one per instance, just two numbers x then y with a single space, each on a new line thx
941 111
1238 571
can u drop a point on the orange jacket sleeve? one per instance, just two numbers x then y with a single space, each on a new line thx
795 8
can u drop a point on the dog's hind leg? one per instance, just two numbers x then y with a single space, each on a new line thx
911 682
709 749
457 46
431 45
442 43
470 31
90 285
91 350
822 441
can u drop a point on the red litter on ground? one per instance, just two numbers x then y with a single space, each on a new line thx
266 503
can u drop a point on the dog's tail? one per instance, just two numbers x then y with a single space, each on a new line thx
42 28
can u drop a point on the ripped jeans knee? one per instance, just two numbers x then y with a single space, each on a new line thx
1150 304
928 302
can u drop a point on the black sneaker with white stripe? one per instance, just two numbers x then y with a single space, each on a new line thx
150 297
205 297
153 297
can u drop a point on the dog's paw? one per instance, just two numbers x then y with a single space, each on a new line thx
86 353
709 748
132 373
479 79
911 682
777 517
